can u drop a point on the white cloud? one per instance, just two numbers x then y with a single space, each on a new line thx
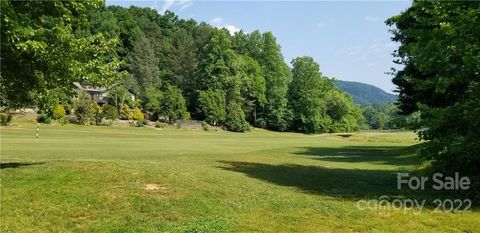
370 19
320 25
182 4
167 5
218 22
232 29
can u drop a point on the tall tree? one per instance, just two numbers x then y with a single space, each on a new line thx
143 64
277 75
184 65
48 45
172 104
440 51
213 105
307 97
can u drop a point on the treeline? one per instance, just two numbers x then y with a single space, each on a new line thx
387 116
178 68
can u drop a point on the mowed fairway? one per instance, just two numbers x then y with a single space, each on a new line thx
125 179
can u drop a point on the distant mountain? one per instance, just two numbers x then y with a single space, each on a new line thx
364 94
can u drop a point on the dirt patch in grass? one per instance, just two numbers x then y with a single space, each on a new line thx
154 187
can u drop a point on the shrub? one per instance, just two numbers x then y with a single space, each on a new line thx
72 119
159 124
110 112
141 123
125 112
137 114
5 119
97 113
85 110
59 114
43 118
205 126
235 120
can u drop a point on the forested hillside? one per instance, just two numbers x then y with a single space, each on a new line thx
365 94
178 68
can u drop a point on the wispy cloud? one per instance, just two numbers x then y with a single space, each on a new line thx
182 4
321 25
366 52
372 19
167 5
216 21
219 23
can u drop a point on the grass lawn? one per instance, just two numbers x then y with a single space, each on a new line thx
125 179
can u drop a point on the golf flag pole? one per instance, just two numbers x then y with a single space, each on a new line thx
38 129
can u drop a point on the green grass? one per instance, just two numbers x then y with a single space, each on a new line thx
125 179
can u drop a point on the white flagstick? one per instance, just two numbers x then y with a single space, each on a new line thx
38 129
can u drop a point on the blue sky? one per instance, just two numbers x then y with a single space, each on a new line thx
349 39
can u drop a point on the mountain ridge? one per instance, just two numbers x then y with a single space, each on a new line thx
365 94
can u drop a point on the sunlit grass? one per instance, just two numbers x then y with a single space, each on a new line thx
125 179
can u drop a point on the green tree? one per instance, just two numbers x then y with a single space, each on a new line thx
119 95
277 75
143 64
235 119
153 101
252 87
439 50
346 117
212 104
84 109
173 104
307 97
47 45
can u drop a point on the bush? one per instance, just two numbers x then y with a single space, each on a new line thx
5 119
235 120
110 112
141 123
125 112
137 114
205 126
59 114
43 118
84 109
97 113
72 119
159 124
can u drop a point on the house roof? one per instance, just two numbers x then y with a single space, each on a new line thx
91 88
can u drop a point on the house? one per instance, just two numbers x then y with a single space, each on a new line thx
100 94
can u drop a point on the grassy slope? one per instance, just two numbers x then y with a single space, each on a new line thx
96 179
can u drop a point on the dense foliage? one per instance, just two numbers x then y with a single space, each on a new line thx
388 116
317 105
176 68
440 51
47 45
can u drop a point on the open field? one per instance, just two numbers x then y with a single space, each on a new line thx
124 179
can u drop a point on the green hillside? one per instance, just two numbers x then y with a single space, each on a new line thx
365 94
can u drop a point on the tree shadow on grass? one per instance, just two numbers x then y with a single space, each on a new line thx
17 164
399 156
344 183
349 184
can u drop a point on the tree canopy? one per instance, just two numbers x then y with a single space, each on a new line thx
178 68
440 52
